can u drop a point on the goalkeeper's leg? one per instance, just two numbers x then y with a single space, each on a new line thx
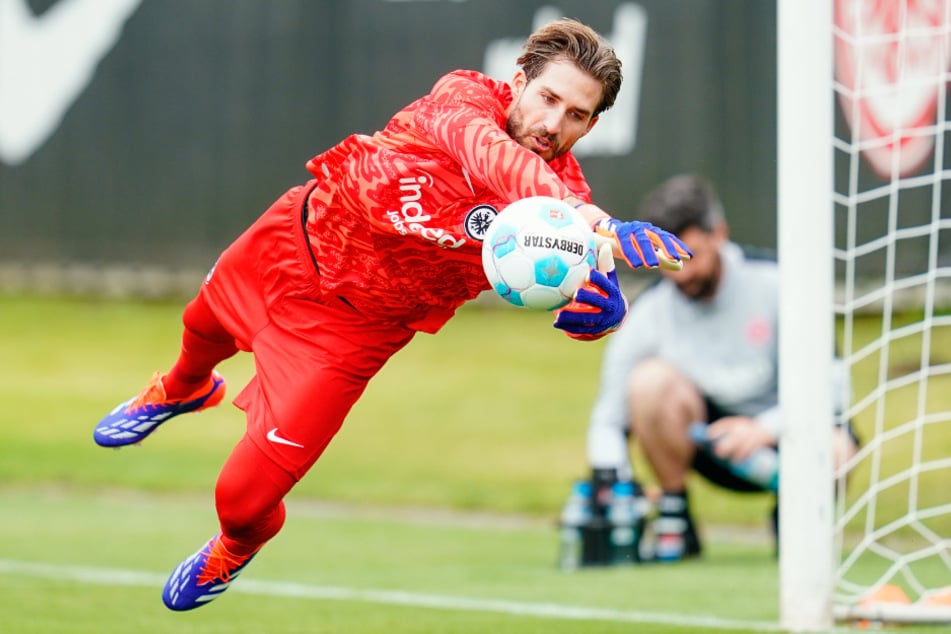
205 344
191 385
249 500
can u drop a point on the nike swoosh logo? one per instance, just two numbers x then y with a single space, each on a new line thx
273 437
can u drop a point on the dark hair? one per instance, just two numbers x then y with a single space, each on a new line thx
571 40
682 202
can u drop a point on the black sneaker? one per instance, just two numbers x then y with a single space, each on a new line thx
675 536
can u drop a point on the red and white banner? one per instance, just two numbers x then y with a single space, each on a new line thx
892 58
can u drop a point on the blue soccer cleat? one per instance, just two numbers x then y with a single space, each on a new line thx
130 422
203 577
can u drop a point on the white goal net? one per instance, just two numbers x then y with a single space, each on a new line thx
885 217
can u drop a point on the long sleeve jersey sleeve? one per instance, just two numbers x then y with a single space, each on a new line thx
397 218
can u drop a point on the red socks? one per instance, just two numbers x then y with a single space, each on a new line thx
251 487
205 344
249 498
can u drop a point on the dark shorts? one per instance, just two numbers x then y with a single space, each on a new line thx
717 473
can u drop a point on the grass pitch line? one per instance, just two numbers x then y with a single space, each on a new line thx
287 589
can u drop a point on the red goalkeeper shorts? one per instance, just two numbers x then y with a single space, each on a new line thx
314 354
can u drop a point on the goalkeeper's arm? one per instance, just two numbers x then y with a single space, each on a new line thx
639 244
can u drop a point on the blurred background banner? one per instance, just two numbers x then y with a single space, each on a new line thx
149 133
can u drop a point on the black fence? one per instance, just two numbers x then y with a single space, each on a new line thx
150 135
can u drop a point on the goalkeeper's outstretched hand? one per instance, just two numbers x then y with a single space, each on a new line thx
598 307
641 244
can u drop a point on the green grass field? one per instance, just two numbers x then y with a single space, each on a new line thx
432 511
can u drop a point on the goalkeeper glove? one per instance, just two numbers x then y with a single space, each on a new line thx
641 244
598 307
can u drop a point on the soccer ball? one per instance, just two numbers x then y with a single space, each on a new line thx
537 252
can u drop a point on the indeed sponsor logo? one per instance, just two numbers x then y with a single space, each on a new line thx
411 216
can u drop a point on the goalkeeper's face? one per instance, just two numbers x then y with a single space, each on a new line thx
552 111
700 277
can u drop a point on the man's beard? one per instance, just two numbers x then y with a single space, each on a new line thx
700 290
516 130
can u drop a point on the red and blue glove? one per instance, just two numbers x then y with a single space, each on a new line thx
598 307
641 244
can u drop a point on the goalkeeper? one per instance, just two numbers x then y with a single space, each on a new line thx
383 242
699 345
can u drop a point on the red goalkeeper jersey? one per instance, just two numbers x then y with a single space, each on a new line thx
396 220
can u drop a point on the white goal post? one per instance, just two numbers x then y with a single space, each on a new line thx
864 241
804 242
